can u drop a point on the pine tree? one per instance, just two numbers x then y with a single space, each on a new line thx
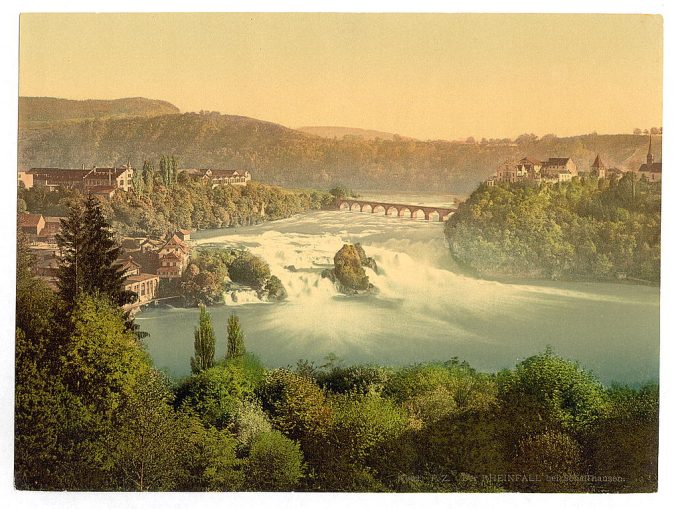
235 343
89 251
71 239
204 343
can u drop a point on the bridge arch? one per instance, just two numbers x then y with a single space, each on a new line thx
445 215
392 211
403 211
432 215
379 209
418 214
367 207
355 207
344 205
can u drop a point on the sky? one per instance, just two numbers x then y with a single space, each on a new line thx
430 76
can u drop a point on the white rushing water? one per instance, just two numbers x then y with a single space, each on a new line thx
424 310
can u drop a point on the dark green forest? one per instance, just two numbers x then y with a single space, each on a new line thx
92 412
281 156
584 229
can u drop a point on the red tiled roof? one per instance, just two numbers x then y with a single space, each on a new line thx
29 220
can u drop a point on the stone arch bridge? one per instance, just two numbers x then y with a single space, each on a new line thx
396 209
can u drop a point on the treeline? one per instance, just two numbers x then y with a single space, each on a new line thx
584 229
165 200
281 156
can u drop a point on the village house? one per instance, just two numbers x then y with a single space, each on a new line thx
558 169
31 225
173 258
507 172
39 228
144 285
97 180
219 177
528 169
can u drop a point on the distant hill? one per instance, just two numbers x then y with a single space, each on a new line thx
341 132
278 155
42 110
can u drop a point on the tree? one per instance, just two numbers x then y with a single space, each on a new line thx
274 464
235 342
654 130
90 251
147 176
71 239
637 131
138 181
204 343
101 251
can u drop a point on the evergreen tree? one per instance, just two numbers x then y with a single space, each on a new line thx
204 343
90 251
101 251
235 344
71 239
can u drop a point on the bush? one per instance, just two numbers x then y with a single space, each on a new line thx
274 464
214 394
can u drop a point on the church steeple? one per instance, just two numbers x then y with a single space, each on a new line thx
650 157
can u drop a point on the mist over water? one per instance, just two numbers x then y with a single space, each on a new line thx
425 309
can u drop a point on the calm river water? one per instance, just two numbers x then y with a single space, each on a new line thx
425 309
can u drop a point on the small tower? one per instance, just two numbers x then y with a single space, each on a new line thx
650 157
598 169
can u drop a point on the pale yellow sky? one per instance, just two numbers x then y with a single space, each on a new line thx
424 75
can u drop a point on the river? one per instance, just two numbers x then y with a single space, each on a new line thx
425 309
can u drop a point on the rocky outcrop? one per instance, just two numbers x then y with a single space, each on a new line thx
348 272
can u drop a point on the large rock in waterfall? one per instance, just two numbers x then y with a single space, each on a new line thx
348 273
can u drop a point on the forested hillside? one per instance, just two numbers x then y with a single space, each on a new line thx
282 156
584 229
45 110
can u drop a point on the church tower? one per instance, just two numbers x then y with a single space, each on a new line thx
650 157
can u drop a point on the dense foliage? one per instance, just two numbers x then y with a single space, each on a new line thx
586 229
157 208
211 272
278 155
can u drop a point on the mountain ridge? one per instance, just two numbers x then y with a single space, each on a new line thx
40 110
276 154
